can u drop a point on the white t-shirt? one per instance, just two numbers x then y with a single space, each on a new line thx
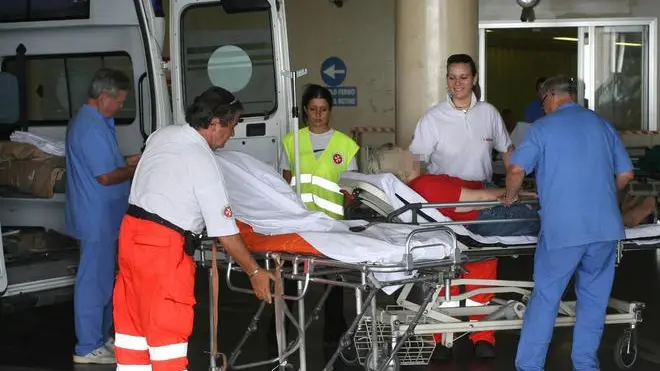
319 142
459 143
178 179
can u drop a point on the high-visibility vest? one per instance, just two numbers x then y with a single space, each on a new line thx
319 178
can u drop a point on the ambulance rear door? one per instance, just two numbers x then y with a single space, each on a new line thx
239 45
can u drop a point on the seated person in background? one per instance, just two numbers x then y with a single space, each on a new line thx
446 189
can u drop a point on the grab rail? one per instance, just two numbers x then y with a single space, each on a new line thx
416 207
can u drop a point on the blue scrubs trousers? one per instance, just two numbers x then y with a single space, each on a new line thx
593 265
93 293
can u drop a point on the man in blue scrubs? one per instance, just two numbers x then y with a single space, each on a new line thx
97 188
534 110
580 165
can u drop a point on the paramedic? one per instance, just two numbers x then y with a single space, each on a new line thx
177 191
97 187
534 109
580 163
457 138
325 154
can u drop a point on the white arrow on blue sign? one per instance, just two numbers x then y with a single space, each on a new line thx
333 71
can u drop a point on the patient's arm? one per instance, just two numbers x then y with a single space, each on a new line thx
478 195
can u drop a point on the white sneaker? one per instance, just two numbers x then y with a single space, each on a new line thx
100 356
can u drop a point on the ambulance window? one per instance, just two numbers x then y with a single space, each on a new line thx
57 85
43 10
233 51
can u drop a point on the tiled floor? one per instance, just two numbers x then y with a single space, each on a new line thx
42 339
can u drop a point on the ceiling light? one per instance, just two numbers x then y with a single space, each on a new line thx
622 43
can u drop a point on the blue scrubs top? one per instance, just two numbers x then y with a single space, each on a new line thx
93 211
576 155
533 111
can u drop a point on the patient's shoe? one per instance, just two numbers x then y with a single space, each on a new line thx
100 356
484 349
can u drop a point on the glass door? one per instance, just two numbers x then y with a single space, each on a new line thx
620 76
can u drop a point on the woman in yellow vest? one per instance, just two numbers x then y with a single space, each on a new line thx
325 154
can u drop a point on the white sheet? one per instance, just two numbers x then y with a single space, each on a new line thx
393 186
261 198
48 145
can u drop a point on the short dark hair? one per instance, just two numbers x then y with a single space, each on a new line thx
212 103
110 81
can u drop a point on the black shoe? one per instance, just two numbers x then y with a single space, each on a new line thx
441 353
484 349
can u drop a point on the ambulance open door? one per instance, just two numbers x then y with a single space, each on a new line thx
241 46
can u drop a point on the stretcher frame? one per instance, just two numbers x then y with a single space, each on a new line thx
502 315
306 270
403 333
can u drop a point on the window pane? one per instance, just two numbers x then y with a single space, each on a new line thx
621 87
57 85
43 10
233 51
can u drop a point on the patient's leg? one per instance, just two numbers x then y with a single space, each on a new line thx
516 211
634 215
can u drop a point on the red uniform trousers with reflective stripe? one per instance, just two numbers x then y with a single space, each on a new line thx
486 270
153 298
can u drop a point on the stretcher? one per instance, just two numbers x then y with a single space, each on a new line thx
395 202
307 266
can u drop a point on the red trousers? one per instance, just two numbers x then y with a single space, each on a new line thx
153 298
487 270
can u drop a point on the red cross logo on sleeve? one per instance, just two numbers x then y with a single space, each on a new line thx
337 159
227 212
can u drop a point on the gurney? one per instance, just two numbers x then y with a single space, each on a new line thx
354 254
395 202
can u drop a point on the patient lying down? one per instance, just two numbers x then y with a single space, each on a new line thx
447 189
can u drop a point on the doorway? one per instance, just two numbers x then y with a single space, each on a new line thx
517 58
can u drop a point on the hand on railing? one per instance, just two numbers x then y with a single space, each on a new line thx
260 282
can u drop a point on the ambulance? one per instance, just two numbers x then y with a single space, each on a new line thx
49 51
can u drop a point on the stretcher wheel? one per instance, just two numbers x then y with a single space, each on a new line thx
393 365
625 350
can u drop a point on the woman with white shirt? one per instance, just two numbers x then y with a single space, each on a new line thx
456 138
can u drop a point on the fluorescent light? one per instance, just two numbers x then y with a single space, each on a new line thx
489 31
575 39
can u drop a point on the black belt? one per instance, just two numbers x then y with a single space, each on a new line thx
192 241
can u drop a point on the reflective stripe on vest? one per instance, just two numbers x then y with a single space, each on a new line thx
309 198
317 181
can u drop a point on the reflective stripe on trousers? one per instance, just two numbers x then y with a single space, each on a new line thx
153 298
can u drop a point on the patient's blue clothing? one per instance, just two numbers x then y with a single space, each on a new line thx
528 228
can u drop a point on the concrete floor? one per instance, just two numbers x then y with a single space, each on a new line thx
43 338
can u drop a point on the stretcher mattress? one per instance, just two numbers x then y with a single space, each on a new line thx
274 219
393 187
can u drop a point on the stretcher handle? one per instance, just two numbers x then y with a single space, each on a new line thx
248 291
415 207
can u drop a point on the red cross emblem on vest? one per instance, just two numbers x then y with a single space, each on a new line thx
227 212
337 159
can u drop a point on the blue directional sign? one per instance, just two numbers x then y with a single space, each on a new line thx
333 71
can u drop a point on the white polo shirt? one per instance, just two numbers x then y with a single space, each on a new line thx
460 142
178 179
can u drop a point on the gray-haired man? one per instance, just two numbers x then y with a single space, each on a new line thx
98 184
